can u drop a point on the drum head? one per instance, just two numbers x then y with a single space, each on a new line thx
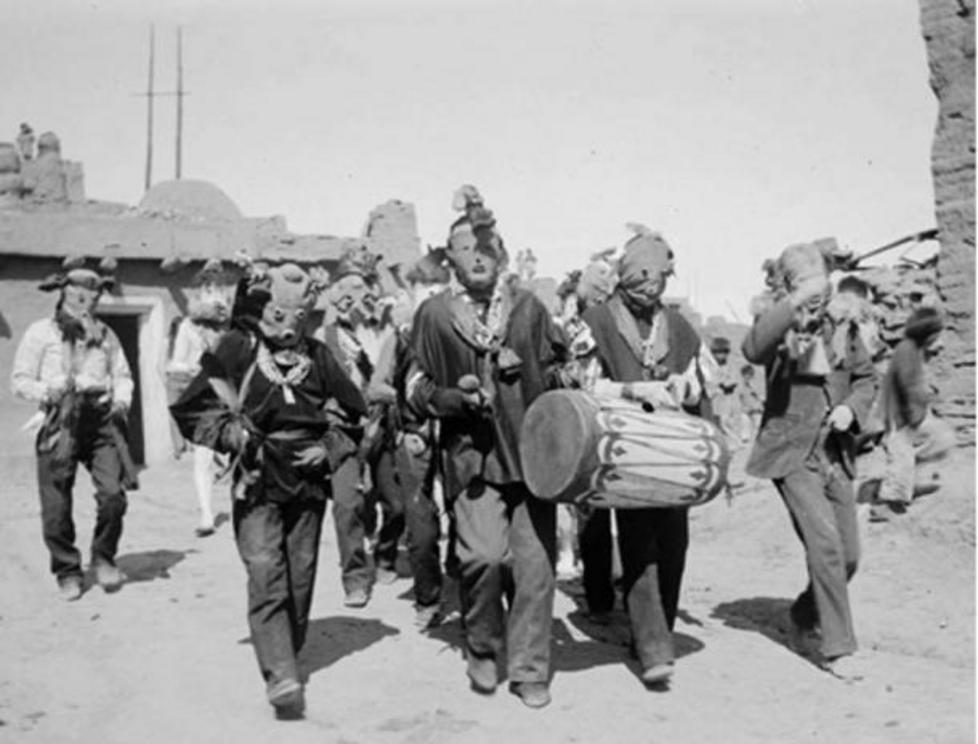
554 440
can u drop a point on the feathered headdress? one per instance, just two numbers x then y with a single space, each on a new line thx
96 274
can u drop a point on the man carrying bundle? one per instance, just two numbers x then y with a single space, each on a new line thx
483 351
282 408
820 387
73 365
650 353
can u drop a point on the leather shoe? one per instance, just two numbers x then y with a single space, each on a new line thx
70 588
482 674
356 598
658 674
533 694
108 576
286 697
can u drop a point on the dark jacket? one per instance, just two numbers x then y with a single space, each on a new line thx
619 362
794 424
326 406
906 395
478 445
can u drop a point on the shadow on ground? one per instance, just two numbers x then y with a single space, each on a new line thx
149 564
329 639
770 617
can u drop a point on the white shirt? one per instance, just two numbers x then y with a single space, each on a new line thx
45 361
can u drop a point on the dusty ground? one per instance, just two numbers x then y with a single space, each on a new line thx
166 659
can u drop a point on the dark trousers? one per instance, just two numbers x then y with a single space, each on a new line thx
594 543
507 546
348 518
388 487
653 544
423 526
822 505
279 545
56 480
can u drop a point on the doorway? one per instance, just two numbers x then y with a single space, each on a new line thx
126 327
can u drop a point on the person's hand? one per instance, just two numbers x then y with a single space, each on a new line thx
56 387
841 418
810 291
234 437
381 392
119 410
473 394
310 457
414 444
657 394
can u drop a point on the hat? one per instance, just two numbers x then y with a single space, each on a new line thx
82 272
597 282
481 225
922 323
211 271
287 283
645 254
429 269
466 197
803 261
720 345
569 285
358 261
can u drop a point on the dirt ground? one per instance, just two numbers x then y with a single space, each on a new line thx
167 659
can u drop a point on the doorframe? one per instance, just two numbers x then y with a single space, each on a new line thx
157 446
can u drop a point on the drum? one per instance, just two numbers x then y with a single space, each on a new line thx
608 452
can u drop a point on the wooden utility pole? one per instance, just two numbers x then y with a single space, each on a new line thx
152 94
149 111
180 95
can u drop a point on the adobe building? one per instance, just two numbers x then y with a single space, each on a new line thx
159 246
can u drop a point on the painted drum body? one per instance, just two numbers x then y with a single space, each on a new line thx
607 452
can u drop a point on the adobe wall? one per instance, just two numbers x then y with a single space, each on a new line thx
948 28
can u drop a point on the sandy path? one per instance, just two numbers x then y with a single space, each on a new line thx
166 659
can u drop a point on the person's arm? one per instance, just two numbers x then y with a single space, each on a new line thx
122 384
428 399
762 340
185 358
422 392
554 351
25 376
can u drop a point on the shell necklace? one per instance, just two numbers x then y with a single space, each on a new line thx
298 365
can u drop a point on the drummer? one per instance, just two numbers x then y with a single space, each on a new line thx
649 352
483 351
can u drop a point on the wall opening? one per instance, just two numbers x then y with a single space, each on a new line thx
126 327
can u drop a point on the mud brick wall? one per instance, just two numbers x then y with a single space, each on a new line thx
949 32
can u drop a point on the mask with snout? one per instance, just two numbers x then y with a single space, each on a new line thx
285 316
79 299
353 298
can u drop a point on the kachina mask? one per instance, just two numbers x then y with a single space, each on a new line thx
291 294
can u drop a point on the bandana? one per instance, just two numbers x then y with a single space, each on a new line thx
486 337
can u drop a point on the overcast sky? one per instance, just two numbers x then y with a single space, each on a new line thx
734 127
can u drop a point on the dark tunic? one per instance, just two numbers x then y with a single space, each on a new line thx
278 428
652 542
620 363
477 445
